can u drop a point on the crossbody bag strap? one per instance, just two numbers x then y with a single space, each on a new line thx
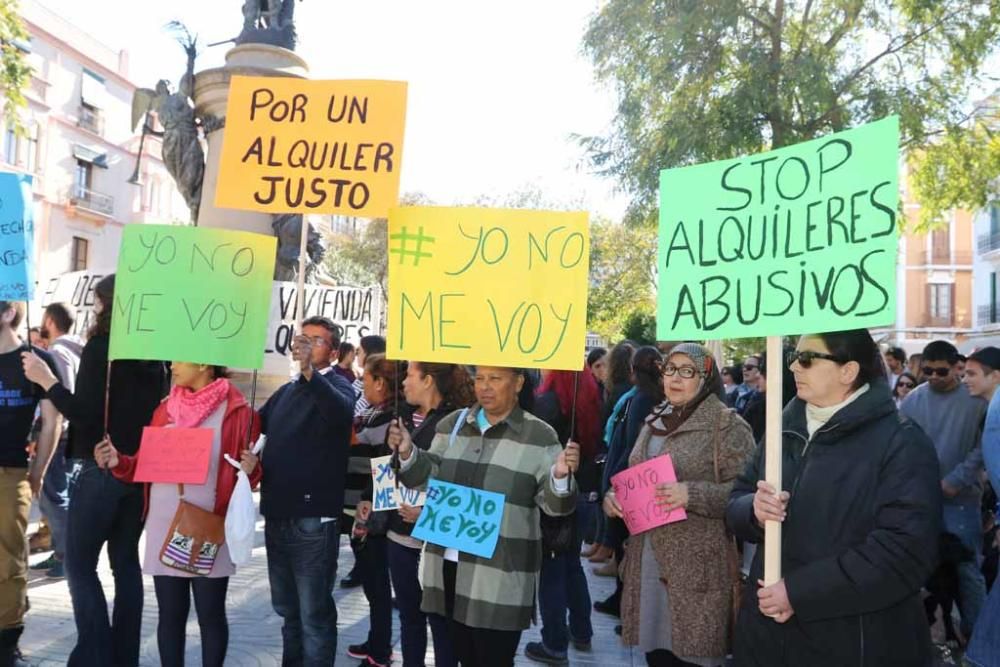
458 424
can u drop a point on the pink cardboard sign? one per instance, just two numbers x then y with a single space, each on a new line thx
635 489
174 455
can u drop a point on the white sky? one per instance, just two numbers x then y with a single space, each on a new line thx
495 88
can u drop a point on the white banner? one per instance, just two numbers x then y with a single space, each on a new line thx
357 310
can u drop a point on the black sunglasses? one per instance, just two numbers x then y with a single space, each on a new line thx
940 372
906 385
807 357
750 367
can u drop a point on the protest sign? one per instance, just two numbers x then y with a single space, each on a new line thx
488 286
461 518
635 490
298 146
798 240
387 495
17 238
356 310
192 294
174 455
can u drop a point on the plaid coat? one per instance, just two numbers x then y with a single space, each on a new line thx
514 458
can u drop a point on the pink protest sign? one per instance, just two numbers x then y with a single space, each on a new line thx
635 489
174 455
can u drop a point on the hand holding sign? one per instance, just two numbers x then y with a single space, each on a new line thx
568 461
399 440
106 455
672 496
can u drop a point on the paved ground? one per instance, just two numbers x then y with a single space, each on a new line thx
255 631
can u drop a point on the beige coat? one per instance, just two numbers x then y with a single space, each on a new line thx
693 554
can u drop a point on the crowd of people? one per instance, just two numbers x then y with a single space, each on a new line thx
885 505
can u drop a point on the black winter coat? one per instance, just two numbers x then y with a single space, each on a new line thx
859 541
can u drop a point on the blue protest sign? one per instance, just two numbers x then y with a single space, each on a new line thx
461 518
17 232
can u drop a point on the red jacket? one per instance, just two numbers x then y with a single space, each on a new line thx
234 441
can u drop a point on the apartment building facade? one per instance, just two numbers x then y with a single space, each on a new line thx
81 151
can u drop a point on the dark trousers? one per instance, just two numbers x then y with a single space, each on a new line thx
562 587
173 597
374 563
477 647
104 510
404 565
301 567
663 658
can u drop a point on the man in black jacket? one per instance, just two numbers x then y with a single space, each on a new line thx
308 425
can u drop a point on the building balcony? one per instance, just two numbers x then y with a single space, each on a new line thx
937 258
91 201
91 120
988 243
931 322
988 316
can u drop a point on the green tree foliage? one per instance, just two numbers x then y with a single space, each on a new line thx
15 73
640 326
622 276
702 80
360 260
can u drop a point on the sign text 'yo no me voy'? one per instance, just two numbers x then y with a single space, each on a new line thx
295 145
635 491
801 239
488 286
17 233
192 294
461 518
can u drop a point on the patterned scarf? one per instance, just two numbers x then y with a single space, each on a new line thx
189 409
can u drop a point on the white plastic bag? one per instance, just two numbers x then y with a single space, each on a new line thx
241 521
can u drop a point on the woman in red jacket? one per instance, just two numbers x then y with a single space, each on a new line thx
202 397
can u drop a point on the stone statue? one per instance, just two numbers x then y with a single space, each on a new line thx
182 151
288 228
269 22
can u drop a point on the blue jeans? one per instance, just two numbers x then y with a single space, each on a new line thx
984 649
104 510
301 567
562 587
964 521
374 561
54 503
403 565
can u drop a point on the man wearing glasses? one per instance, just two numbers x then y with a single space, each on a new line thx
308 424
751 378
953 419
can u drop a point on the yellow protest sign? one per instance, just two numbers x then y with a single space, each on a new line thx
488 286
300 146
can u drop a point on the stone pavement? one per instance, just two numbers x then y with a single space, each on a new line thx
255 631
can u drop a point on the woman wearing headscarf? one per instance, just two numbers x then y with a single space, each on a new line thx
860 510
678 578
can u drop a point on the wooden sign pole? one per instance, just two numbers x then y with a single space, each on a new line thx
772 453
300 291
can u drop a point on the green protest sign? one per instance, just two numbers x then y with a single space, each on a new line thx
797 240
192 294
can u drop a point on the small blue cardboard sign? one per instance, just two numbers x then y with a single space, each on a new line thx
17 233
461 518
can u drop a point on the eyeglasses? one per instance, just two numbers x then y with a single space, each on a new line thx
807 357
318 341
906 385
940 372
749 367
686 372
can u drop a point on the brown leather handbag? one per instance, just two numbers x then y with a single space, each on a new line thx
193 539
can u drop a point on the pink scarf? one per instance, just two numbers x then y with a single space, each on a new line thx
189 409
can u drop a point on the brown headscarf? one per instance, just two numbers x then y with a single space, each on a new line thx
666 417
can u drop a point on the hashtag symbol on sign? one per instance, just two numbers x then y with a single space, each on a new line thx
433 493
404 249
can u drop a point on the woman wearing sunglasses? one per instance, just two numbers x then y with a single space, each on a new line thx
905 383
678 584
860 511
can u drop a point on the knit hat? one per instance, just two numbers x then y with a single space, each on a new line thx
988 357
703 361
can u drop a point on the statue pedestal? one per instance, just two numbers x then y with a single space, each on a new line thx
211 94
